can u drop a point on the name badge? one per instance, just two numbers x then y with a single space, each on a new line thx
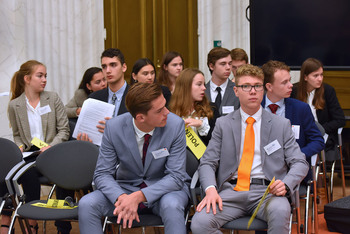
272 147
227 109
43 110
161 153
296 130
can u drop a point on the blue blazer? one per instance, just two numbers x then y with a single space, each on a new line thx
102 95
119 149
299 113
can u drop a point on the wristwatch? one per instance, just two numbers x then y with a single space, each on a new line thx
288 190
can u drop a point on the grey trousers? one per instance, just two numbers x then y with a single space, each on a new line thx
170 207
275 210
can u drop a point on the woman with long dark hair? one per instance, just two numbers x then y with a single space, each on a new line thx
322 99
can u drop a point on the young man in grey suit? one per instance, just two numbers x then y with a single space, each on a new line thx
232 190
219 89
149 147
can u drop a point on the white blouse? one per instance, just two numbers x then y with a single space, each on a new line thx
202 130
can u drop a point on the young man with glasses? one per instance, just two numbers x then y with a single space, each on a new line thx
239 163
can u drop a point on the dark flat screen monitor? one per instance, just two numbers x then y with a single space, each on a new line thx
294 30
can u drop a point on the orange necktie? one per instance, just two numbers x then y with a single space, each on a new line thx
245 165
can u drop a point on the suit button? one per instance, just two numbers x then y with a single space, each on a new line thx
144 178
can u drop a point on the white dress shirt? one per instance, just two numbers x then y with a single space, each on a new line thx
34 119
140 137
281 111
257 171
214 93
310 97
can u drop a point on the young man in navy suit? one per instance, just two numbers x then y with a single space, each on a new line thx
113 68
141 166
278 87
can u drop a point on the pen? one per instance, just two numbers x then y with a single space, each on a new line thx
21 146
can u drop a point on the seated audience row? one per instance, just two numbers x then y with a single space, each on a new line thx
155 178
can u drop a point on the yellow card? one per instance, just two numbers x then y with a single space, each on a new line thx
261 201
38 143
195 144
53 204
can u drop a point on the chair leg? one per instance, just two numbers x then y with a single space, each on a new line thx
297 211
342 170
306 220
324 172
332 180
314 211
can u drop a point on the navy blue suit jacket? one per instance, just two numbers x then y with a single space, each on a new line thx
299 113
102 95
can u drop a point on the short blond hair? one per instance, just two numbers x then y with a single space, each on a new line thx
249 70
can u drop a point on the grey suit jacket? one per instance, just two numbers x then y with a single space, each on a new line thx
119 148
229 98
77 101
55 123
222 155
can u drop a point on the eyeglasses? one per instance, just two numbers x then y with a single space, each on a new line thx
248 88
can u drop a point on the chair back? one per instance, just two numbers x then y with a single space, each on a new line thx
320 127
191 163
69 165
10 155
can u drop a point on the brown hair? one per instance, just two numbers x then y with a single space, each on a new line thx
249 70
310 65
163 77
270 68
181 101
239 55
17 81
215 54
139 97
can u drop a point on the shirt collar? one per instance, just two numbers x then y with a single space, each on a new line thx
280 103
214 86
140 133
256 116
119 93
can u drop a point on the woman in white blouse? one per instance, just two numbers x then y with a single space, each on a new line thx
34 112
189 102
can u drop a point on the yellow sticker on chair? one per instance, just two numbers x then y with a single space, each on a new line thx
53 204
261 201
195 144
38 143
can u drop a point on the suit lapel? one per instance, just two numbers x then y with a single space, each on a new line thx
288 111
122 107
237 131
129 134
266 123
207 91
228 94
23 117
44 100
154 145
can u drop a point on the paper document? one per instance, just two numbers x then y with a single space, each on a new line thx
91 112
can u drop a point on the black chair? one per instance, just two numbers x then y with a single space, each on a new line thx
152 220
309 192
11 161
70 165
333 156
